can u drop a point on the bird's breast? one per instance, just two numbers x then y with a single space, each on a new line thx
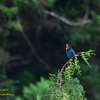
69 53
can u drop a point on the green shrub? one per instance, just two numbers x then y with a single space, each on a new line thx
61 86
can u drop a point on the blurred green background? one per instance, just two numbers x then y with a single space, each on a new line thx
33 38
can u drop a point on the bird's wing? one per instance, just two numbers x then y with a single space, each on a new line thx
73 53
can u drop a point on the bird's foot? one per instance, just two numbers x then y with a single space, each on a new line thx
72 58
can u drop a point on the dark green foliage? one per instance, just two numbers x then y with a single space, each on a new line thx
20 65
91 81
61 86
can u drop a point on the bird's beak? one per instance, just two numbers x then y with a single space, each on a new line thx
67 47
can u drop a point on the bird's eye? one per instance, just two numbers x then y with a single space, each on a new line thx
67 46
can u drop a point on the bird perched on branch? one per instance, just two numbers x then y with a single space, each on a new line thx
70 52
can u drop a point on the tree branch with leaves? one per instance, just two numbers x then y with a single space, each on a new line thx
63 85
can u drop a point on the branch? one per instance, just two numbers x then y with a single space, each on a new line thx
49 95
86 14
61 75
75 87
60 84
15 57
34 51
33 48
65 20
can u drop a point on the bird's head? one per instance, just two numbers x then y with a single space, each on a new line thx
68 46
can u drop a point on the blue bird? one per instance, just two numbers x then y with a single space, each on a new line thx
70 52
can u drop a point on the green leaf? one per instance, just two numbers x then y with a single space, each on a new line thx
16 25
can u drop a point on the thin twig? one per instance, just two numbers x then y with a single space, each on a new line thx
86 14
33 48
15 57
34 51
61 75
66 20
63 69
73 86
48 95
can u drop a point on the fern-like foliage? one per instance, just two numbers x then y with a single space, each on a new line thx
63 86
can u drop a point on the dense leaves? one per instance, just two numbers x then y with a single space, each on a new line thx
60 86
